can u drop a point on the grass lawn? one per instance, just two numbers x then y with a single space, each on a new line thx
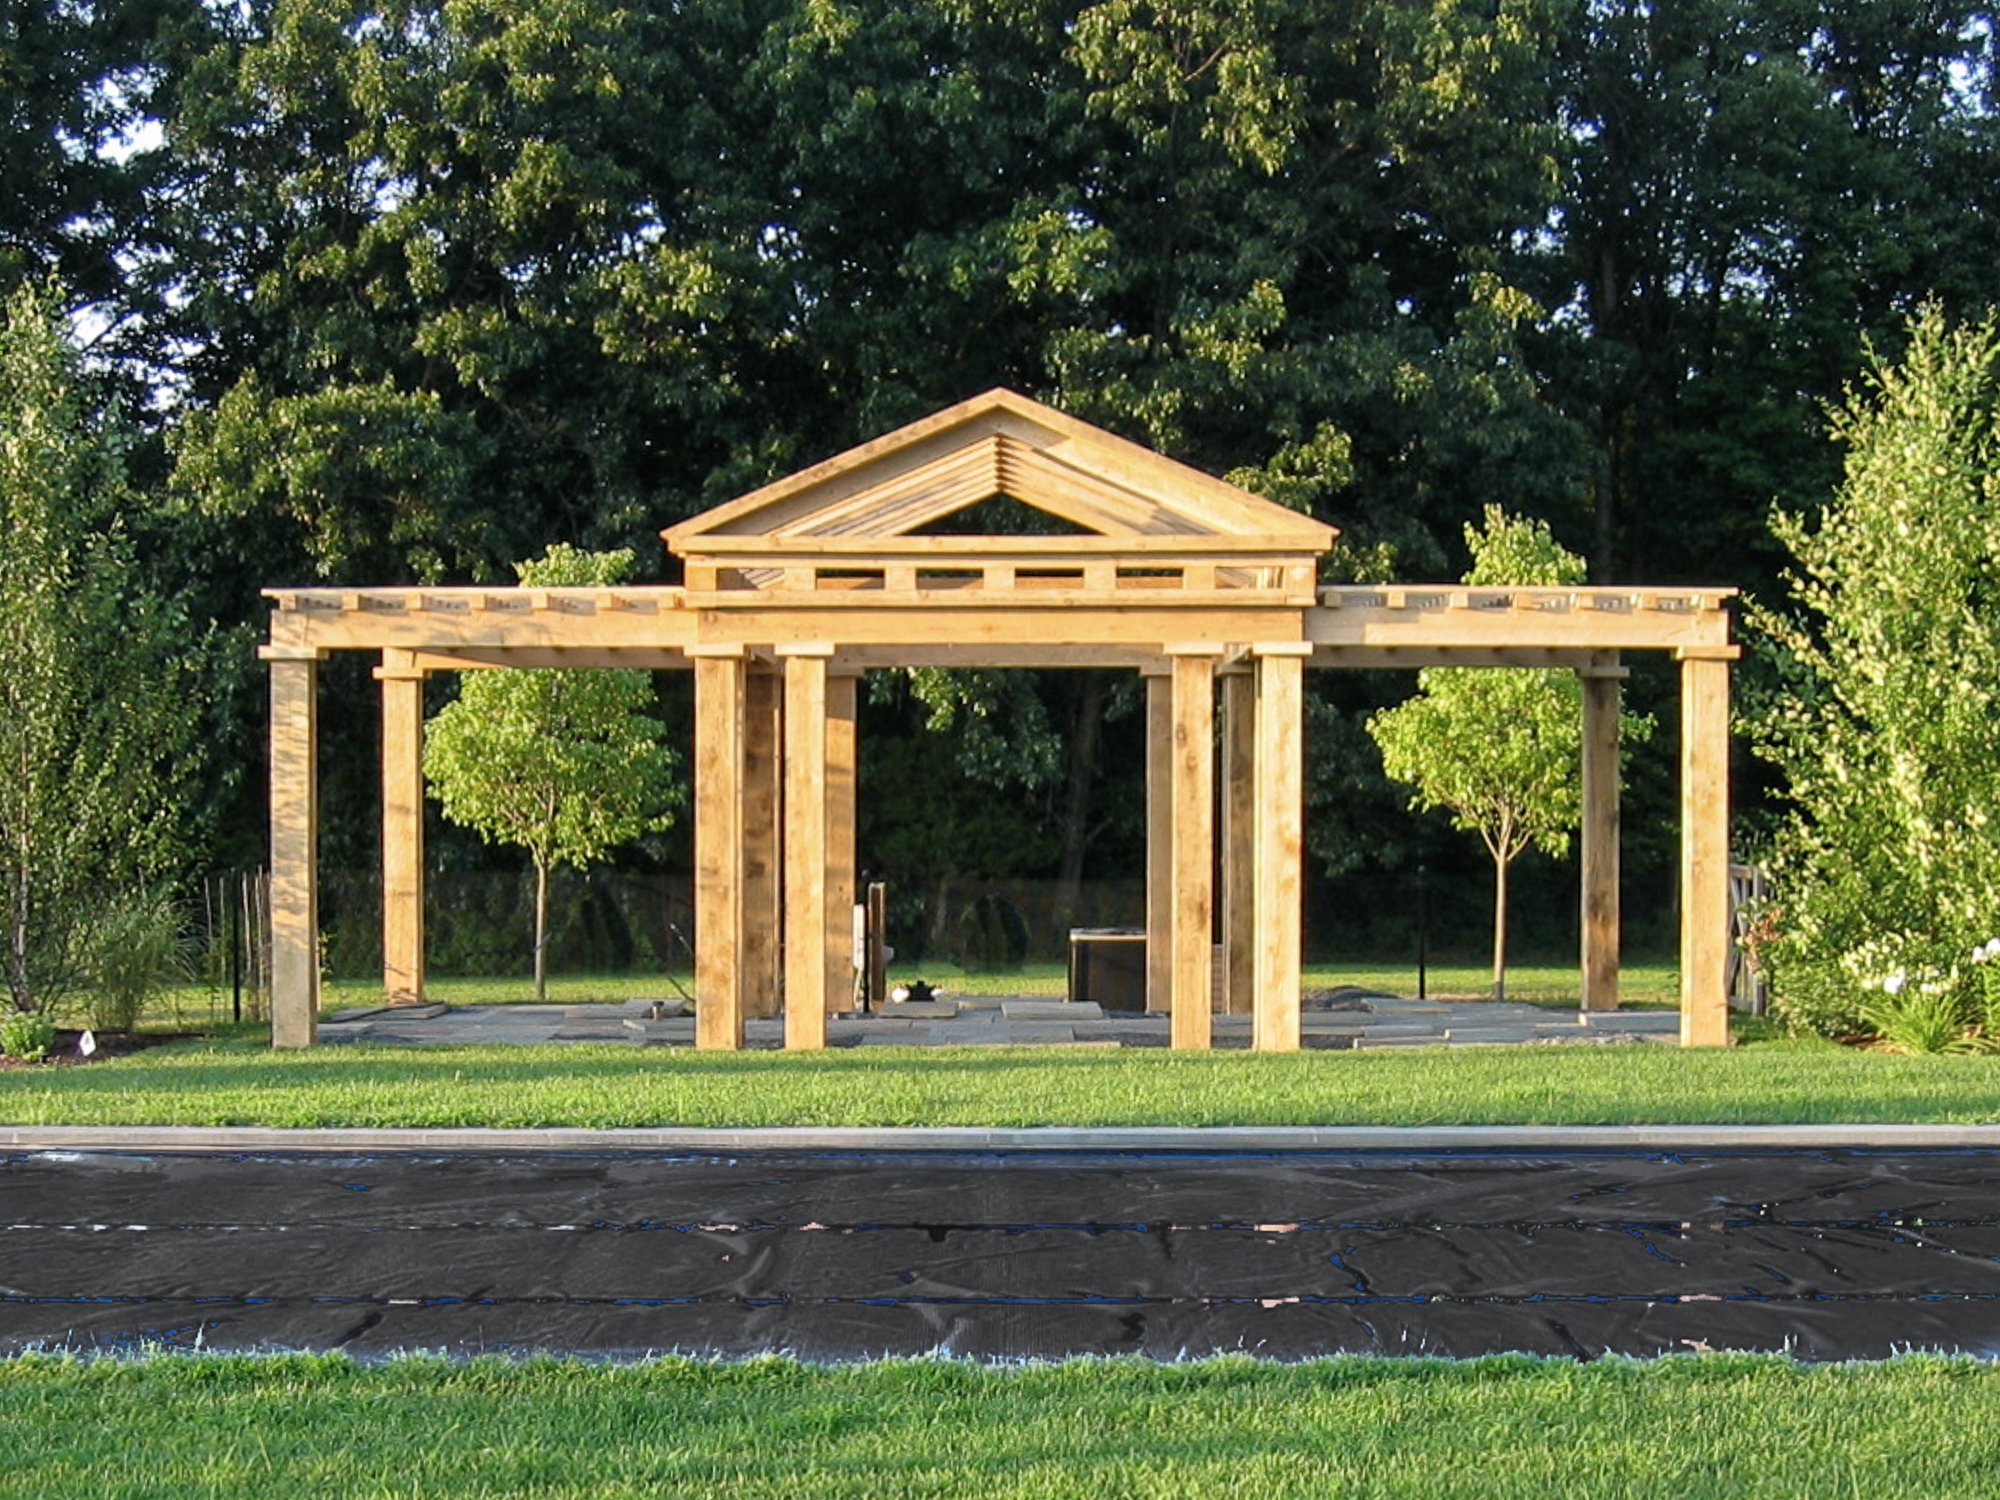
240 1080
1685 1427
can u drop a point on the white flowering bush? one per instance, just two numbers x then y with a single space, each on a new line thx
1881 699
1927 1009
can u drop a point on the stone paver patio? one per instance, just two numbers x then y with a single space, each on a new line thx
1343 1019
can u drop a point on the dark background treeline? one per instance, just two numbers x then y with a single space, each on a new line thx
405 292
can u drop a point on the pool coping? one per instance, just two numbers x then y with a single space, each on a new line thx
977 1139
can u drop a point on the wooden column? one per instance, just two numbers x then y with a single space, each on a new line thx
842 789
1705 934
1239 803
1277 852
1601 778
805 849
718 850
1159 839
402 828
294 848
763 698
1192 784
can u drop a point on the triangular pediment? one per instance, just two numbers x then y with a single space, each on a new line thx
999 446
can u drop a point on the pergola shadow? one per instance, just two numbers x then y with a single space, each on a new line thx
795 590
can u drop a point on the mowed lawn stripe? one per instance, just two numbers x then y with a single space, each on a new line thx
1684 1427
607 1086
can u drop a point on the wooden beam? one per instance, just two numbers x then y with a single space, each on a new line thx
402 830
1159 841
1705 935
294 851
763 699
1410 658
1601 778
1239 802
1192 792
1278 852
718 851
842 785
805 852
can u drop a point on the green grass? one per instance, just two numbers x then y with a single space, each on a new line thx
241 1081
1685 1428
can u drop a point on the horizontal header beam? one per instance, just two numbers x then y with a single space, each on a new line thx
1348 627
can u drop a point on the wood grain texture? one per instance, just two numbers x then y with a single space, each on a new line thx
718 851
842 786
763 705
1239 831
1600 908
1159 842
294 853
1279 845
805 852
402 830
1705 935
1192 792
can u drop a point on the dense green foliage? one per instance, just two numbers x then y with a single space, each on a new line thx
1676 1429
1887 721
604 1086
96 734
406 290
565 763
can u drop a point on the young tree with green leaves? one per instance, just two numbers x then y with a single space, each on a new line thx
1499 749
97 706
1885 717
565 763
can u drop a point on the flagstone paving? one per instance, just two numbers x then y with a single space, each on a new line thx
1340 1019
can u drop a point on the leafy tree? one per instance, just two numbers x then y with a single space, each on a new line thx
96 723
1886 716
1750 187
1500 750
564 763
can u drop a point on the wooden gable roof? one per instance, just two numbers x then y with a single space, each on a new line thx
1120 495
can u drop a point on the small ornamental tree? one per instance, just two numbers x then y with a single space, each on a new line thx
1499 749
1885 714
566 764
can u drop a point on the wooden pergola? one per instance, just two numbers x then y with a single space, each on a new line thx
795 590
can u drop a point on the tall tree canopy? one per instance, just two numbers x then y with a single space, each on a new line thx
420 286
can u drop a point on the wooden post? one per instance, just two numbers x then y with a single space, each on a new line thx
763 698
1192 779
1239 803
1601 779
1705 850
294 847
402 828
1159 840
805 850
842 785
1278 851
718 850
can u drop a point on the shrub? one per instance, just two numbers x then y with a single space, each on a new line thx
139 950
1882 707
27 1035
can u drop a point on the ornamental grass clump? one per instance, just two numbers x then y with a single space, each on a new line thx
1880 703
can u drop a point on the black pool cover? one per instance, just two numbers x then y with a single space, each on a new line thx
1831 1254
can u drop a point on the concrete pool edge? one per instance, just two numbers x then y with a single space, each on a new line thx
1228 1138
